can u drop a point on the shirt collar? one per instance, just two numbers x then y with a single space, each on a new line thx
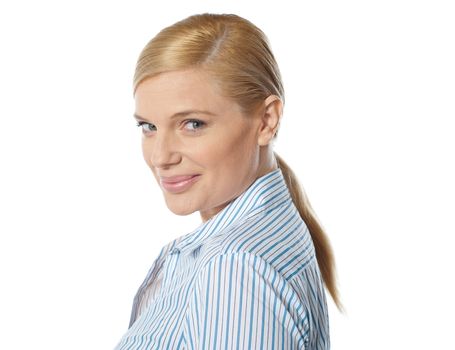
263 194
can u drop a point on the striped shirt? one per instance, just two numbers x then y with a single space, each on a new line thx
245 279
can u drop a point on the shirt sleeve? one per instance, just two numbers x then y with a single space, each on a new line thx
241 302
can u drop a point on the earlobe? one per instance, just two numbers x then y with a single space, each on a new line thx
273 109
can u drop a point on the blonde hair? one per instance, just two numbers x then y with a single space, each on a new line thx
237 55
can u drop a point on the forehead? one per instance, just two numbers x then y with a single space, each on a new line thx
171 92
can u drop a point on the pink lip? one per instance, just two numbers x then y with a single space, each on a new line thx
177 184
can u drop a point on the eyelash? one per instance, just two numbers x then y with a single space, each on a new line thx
139 124
189 121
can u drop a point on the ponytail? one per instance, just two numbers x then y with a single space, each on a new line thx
324 253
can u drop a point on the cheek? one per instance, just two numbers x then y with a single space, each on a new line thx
146 154
229 151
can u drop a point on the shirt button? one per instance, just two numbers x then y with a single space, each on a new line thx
175 251
196 251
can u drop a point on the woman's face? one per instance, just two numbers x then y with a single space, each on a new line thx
201 149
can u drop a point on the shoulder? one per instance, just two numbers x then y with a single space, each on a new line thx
240 297
238 276
243 283
279 237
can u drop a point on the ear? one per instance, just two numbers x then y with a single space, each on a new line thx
270 119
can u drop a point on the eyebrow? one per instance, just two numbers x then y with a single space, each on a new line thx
180 114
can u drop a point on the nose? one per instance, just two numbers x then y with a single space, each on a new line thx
164 151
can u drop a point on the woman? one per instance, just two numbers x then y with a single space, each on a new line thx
209 99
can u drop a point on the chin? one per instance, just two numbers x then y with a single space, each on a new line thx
181 210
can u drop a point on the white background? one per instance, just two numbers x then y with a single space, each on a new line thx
368 128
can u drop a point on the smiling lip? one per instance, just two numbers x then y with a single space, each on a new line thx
177 184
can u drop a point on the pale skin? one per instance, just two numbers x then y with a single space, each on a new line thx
202 150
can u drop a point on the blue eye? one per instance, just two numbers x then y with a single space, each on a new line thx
147 129
194 124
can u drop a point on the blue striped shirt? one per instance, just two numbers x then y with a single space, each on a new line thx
245 279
